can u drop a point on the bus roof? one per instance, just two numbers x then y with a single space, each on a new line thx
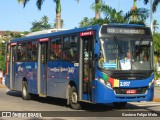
44 32
47 35
125 25
75 30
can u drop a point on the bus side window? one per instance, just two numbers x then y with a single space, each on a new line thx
8 58
74 48
8 52
21 52
70 48
32 50
55 49
66 47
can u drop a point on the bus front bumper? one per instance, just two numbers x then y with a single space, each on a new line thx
105 95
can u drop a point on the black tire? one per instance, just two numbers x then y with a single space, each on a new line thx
73 97
119 104
25 94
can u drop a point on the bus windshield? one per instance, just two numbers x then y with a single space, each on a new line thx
125 53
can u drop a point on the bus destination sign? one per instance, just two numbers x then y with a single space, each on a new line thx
113 30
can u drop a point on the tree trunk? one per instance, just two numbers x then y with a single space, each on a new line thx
135 3
58 21
58 14
97 11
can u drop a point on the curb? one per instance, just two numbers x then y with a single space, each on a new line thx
2 86
156 99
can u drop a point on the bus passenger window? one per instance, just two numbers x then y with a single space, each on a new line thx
8 52
32 50
74 48
73 52
21 52
55 49
70 48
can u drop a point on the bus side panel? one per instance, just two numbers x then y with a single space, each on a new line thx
68 73
59 75
53 77
31 76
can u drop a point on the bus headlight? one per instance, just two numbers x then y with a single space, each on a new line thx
106 83
150 84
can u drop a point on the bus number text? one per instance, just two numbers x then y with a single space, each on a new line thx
124 83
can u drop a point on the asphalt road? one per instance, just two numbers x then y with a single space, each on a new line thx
11 101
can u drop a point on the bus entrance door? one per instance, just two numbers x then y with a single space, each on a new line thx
42 67
86 64
12 64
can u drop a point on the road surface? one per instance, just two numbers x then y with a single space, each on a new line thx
11 101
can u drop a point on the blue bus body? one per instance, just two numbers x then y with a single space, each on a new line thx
56 77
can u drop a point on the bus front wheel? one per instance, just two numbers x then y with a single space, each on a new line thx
25 94
73 96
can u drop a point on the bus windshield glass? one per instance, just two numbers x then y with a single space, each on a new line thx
125 53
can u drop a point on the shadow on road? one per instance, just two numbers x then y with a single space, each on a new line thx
85 106
62 102
14 93
47 100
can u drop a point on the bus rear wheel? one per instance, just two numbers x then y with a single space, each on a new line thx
73 97
25 94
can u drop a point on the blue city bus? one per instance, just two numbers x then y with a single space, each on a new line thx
84 65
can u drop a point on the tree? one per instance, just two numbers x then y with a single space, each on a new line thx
140 15
137 16
21 1
97 11
40 25
39 4
133 10
2 54
134 5
85 22
154 5
155 25
111 15
96 6
156 38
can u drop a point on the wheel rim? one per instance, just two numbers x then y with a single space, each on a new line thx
74 97
24 91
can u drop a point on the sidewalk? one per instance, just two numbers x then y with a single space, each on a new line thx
156 94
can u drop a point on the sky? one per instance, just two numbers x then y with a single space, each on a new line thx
13 17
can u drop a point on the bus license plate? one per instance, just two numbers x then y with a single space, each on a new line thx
131 91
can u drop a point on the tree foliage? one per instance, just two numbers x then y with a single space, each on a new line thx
155 4
40 25
155 25
2 54
111 15
156 38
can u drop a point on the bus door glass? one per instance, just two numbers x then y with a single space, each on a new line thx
42 62
12 64
87 39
